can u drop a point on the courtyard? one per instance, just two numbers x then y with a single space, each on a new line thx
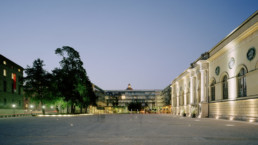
125 129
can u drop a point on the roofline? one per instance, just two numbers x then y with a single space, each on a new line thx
133 90
234 31
11 61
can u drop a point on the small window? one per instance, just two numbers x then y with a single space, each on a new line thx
5 86
225 87
4 62
4 72
19 70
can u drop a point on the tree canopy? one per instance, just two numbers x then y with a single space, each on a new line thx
37 83
69 82
73 82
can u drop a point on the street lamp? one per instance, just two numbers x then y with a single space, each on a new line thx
31 107
43 108
13 109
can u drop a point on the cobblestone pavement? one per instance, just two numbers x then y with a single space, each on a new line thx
125 129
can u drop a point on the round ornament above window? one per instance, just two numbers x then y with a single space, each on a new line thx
217 70
231 63
251 54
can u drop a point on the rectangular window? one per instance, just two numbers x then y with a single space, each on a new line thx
212 93
12 88
4 72
14 82
19 90
5 86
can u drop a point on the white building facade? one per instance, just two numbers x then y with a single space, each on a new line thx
222 83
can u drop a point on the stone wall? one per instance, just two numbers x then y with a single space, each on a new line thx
235 110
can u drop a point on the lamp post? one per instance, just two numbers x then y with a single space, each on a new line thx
31 107
13 109
43 107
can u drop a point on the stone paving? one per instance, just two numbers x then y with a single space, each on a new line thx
125 129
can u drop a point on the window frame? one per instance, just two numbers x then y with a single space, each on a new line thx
241 83
225 87
213 89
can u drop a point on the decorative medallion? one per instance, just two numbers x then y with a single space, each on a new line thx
231 63
217 70
251 54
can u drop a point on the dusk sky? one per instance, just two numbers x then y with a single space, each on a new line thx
147 43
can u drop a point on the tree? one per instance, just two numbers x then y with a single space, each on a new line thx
37 83
72 80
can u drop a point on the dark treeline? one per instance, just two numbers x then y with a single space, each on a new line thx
67 85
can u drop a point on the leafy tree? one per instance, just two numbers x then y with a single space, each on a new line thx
37 83
72 80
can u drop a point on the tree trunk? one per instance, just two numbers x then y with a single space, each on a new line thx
43 109
72 108
86 109
67 108
81 109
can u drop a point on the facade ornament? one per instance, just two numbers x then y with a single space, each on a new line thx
231 63
251 54
217 70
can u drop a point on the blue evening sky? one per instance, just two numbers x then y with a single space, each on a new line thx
143 42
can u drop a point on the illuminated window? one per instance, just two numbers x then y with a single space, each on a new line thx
14 82
213 90
242 83
4 72
4 62
225 87
19 70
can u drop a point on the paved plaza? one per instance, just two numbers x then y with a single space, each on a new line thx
125 129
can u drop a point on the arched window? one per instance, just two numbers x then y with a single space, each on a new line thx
225 87
242 83
213 90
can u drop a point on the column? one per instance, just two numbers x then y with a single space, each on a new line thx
203 66
171 95
203 86
192 90
185 90
177 95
